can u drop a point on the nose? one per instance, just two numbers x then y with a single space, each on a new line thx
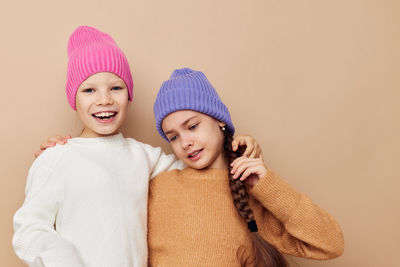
104 98
186 141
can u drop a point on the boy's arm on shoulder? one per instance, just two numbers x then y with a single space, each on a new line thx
52 141
160 162
35 240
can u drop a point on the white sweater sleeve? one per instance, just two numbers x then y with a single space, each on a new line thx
35 240
160 162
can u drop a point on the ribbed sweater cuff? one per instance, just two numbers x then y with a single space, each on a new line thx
276 195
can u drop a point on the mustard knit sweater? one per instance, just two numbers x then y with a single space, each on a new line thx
193 222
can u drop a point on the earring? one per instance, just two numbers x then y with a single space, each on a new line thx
223 128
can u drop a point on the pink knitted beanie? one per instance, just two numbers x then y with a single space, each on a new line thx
91 51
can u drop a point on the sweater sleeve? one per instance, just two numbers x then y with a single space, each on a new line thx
35 240
293 223
160 162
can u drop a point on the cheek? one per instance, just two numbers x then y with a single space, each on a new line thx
123 104
123 97
82 109
79 109
217 140
214 134
82 116
175 149
81 104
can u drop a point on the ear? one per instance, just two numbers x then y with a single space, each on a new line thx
221 124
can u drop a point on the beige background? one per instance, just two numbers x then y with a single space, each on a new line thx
316 82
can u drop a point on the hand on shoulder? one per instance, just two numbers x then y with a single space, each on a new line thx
52 141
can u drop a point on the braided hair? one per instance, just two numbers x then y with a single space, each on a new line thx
265 254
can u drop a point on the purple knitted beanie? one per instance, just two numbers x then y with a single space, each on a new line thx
189 89
91 51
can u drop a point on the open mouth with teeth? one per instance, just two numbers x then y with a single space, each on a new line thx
105 115
195 153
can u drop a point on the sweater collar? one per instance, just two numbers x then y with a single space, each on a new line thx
106 140
205 174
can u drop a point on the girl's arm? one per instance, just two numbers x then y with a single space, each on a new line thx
35 240
292 222
288 219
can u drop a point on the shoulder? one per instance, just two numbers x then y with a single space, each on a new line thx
43 171
133 143
51 156
145 147
151 152
172 173
184 173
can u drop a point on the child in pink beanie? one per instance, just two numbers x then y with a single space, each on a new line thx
86 201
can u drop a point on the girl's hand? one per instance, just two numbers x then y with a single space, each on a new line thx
248 170
253 149
52 141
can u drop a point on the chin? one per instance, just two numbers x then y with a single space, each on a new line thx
197 165
109 133
106 133
108 130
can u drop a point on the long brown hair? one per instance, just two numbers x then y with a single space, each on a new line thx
264 253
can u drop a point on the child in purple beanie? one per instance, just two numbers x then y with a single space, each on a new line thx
224 209
86 201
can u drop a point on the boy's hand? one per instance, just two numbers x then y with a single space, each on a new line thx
253 149
52 141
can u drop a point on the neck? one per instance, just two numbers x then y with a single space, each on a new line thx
219 163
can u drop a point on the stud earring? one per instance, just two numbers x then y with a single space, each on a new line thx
223 128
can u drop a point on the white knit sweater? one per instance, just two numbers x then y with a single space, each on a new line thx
86 203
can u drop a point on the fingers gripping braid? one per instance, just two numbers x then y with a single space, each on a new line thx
265 253
238 188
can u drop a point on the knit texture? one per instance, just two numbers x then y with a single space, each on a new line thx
86 203
189 89
193 222
91 51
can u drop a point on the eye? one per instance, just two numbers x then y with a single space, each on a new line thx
88 90
173 138
116 88
193 126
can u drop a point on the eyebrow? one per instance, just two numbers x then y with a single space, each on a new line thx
111 83
182 124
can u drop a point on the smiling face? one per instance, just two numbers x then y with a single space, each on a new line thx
196 139
102 104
